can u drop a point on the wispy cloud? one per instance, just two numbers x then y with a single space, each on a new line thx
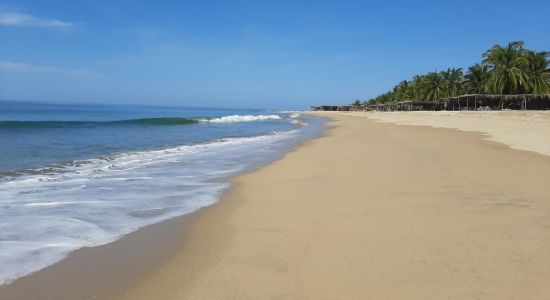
26 20
10 66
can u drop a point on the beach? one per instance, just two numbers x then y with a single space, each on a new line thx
274 150
369 210
523 130
374 211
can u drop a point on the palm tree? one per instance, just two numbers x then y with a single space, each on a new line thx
508 68
417 90
476 79
453 79
538 72
389 97
504 70
433 86
403 91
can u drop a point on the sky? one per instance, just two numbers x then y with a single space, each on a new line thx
246 54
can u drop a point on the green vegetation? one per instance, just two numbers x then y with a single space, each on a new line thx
504 70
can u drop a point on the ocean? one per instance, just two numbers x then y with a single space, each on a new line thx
74 176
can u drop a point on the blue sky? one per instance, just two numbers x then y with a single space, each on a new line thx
265 54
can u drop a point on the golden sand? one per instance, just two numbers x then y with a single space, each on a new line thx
523 130
372 211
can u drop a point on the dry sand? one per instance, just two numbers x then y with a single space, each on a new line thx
373 211
523 130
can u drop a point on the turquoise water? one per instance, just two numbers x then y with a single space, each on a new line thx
73 176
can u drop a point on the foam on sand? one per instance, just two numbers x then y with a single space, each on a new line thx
46 215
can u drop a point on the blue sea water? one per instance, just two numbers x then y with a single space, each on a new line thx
73 176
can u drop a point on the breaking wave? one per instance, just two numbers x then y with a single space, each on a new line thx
240 118
143 121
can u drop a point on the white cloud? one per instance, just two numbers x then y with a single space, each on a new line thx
25 20
14 66
9 66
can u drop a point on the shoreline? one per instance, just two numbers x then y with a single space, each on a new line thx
115 267
108 269
258 242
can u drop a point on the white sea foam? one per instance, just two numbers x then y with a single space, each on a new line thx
43 217
242 118
298 122
290 111
294 115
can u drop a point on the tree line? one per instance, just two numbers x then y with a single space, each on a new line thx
508 70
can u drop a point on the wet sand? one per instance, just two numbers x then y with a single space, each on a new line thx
104 271
367 211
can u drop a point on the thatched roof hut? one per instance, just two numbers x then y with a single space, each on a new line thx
493 102
335 108
409 105
464 102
